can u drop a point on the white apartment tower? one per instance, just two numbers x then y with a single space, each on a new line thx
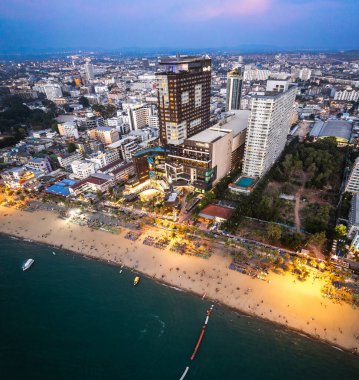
89 71
352 185
268 127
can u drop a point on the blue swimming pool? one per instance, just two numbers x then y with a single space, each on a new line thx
245 182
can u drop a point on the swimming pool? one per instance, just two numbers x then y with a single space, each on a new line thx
245 182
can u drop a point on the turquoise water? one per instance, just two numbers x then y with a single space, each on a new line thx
245 182
72 318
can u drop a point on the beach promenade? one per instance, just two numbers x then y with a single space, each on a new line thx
297 305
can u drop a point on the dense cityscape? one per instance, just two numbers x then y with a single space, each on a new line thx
229 174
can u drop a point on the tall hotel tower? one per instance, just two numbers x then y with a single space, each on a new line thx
234 89
268 127
184 90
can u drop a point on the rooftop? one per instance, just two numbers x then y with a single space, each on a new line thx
207 136
178 59
215 211
341 129
236 121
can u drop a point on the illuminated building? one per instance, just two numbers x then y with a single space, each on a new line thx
234 89
184 90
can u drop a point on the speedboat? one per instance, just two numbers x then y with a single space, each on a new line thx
27 264
136 281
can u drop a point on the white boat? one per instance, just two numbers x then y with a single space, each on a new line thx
27 264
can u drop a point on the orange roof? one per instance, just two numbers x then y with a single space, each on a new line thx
216 211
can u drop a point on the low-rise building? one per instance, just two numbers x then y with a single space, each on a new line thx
68 129
83 169
19 178
41 164
65 161
106 135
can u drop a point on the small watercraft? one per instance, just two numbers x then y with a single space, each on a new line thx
53 253
121 271
27 264
136 281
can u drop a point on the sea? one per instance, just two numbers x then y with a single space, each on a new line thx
69 317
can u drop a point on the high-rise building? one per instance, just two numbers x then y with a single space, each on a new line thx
234 89
352 185
184 89
138 117
268 127
89 71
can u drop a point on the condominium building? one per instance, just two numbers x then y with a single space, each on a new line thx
352 185
268 127
68 129
89 72
138 117
234 89
184 89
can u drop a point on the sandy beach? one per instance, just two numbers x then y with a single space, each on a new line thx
284 300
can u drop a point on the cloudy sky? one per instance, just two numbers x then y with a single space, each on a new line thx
112 24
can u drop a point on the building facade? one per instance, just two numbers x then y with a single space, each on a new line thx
268 127
234 89
352 185
184 89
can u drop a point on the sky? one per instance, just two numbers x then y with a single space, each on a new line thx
33 25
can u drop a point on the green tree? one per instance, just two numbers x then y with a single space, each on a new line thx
71 147
317 240
84 102
274 232
340 231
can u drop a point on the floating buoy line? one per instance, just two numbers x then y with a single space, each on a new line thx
209 312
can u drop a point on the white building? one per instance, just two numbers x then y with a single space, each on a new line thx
89 72
68 129
305 74
105 158
138 117
40 164
348 95
65 161
127 147
52 91
352 185
83 169
252 73
353 225
268 127
106 135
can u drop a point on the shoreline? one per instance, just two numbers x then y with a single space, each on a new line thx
241 313
18 218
